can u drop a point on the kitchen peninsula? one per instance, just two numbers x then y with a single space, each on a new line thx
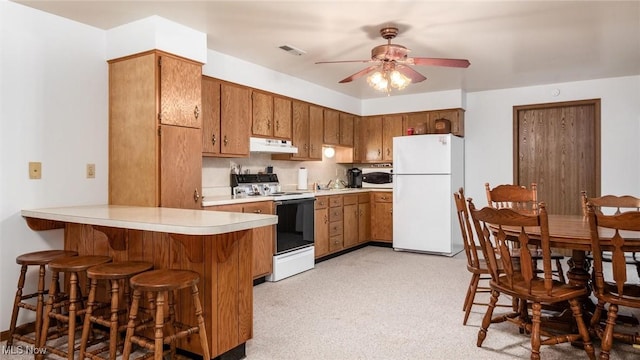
217 245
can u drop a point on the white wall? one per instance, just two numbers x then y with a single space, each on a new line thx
53 109
489 132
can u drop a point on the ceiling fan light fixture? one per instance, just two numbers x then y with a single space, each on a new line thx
398 80
386 79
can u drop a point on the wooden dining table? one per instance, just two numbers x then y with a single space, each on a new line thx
572 232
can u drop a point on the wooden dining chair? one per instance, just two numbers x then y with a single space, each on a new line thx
613 205
615 287
524 201
516 276
476 263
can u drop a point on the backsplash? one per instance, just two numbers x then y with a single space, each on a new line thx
215 171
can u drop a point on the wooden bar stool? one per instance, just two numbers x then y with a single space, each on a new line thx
71 267
114 273
40 259
163 283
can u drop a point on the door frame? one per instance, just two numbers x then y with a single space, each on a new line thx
597 135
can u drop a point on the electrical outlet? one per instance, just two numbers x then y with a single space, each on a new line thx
35 170
91 171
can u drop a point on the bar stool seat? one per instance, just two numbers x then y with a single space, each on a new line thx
164 283
72 267
40 259
114 273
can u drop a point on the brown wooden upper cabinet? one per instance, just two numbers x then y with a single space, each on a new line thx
455 116
306 132
371 139
331 127
346 129
154 131
375 140
425 121
392 125
271 115
226 118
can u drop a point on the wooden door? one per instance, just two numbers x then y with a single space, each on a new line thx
210 116
180 92
262 114
346 129
315 132
371 129
557 146
180 167
321 226
282 117
350 220
300 134
391 127
331 127
263 239
364 222
235 119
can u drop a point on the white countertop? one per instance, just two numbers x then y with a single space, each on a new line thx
230 199
178 221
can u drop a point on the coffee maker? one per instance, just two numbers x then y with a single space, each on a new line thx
354 178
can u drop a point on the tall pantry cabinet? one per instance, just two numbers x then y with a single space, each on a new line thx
155 141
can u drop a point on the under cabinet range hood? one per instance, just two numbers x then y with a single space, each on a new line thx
261 145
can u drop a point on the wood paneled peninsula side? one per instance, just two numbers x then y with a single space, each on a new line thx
217 245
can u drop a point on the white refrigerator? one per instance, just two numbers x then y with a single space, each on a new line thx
427 170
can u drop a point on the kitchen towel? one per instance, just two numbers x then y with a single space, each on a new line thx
302 179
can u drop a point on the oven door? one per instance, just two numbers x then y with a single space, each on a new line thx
295 227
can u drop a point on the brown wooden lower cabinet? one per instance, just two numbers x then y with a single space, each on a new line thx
336 223
364 218
344 221
321 226
382 216
263 237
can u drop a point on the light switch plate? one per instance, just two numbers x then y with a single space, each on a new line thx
91 171
35 170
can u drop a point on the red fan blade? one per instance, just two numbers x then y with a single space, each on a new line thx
360 73
415 76
461 63
344 61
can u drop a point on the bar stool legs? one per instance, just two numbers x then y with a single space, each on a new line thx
164 284
40 259
71 266
113 273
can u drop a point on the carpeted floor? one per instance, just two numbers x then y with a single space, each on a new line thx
375 303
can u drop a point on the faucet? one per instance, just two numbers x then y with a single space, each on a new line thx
337 184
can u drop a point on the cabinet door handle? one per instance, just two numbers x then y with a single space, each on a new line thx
196 195
269 125
379 152
326 219
226 141
196 112
388 152
277 125
213 139
257 211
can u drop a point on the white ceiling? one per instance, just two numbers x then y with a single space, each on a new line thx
509 43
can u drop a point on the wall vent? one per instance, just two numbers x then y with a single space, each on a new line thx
292 50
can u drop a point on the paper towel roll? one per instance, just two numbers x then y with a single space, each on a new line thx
302 179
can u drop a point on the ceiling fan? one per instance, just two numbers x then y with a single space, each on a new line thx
389 57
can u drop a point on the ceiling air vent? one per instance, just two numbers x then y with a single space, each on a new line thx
291 50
